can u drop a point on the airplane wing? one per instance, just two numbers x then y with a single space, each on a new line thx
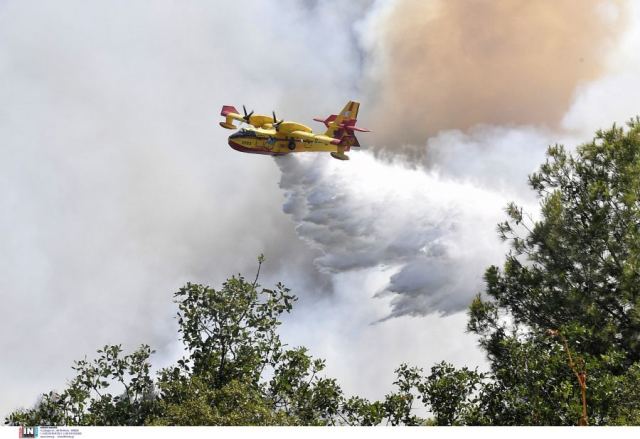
313 137
257 120
271 132
264 132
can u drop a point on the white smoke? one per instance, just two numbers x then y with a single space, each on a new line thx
430 213
116 184
435 227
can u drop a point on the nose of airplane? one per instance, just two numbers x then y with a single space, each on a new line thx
235 145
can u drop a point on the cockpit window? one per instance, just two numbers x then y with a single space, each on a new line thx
243 133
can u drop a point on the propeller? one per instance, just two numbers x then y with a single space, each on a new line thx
276 122
246 116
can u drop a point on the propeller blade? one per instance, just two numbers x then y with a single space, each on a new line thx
276 122
246 116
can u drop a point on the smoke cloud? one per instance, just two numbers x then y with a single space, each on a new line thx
117 186
474 92
453 64
432 229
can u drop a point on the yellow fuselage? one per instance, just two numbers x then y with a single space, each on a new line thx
248 141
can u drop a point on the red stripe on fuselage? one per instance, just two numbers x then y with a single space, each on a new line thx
264 151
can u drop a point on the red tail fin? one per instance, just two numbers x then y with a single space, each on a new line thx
343 124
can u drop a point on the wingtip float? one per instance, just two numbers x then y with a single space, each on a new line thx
264 134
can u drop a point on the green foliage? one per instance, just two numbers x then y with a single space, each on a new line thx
360 411
233 345
573 273
451 393
110 390
448 394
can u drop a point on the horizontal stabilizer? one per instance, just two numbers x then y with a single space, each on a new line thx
347 124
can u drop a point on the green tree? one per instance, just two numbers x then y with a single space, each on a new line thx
236 371
566 303
110 390
233 346
560 322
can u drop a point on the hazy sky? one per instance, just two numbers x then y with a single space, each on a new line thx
117 185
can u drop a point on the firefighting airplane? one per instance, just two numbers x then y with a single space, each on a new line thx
268 135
